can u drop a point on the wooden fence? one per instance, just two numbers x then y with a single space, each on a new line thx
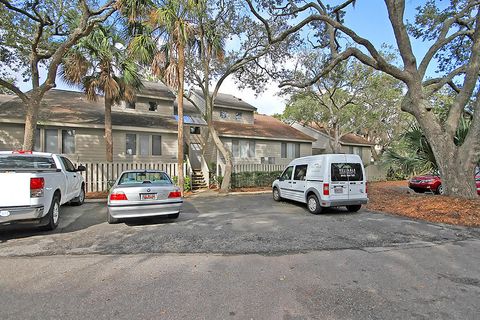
253 167
98 174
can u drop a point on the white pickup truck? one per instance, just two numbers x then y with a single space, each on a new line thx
33 186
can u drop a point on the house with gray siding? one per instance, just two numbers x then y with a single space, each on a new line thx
251 138
350 143
145 130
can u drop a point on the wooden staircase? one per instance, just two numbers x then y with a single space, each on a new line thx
198 180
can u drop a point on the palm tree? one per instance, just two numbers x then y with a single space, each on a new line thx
99 64
162 41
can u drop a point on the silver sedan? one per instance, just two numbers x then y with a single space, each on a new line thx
143 193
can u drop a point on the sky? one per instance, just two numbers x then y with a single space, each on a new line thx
368 18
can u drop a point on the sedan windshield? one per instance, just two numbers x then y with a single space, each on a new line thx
144 177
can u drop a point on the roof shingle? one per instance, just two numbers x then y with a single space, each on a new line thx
264 126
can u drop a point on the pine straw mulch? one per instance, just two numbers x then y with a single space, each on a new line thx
395 197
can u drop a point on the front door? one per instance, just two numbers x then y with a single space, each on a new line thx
285 183
73 179
299 182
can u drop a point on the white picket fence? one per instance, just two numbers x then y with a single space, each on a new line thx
252 167
98 174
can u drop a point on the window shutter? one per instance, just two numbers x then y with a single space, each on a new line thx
297 150
284 150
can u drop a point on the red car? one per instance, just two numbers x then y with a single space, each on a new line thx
433 183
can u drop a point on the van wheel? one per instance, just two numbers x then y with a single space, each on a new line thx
354 208
52 215
313 204
276 194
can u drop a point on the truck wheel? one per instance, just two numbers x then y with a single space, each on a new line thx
110 219
78 201
53 215
276 194
354 208
313 204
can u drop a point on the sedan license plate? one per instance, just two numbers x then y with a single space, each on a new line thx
148 196
338 190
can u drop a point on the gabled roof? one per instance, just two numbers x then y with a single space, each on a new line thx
72 107
347 139
229 101
264 126
157 90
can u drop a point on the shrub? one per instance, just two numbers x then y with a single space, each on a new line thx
254 179
187 183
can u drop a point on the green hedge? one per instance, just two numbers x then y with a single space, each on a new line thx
253 179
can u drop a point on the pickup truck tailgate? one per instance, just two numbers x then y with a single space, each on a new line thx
14 189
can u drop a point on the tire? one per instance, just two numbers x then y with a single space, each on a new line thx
78 201
174 216
53 215
354 207
313 204
276 194
440 190
110 219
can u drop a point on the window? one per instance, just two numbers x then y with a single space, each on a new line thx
130 104
131 144
290 150
175 110
68 141
346 172
144 143
38 142
68 164
243 149
156 145
287 174
9 161
223 114
158 178
300 172
238 116
195 130
152 106
267 160
51 140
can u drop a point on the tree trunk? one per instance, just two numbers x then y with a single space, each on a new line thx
31 124
456 169
181 70
335 140
225 187
108 130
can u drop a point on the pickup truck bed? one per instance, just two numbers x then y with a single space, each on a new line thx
34 185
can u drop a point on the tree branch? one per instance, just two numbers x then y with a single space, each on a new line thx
14 89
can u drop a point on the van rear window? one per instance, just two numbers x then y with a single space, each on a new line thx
26 162
347 172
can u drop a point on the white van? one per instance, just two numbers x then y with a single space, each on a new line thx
327 180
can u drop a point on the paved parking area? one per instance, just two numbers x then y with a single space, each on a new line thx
240 257
238 224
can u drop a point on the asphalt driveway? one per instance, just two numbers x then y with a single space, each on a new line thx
240 257
239 224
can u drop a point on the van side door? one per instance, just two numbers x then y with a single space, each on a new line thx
285 183
299 182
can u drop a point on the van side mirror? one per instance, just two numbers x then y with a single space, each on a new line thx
280 178
81 168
